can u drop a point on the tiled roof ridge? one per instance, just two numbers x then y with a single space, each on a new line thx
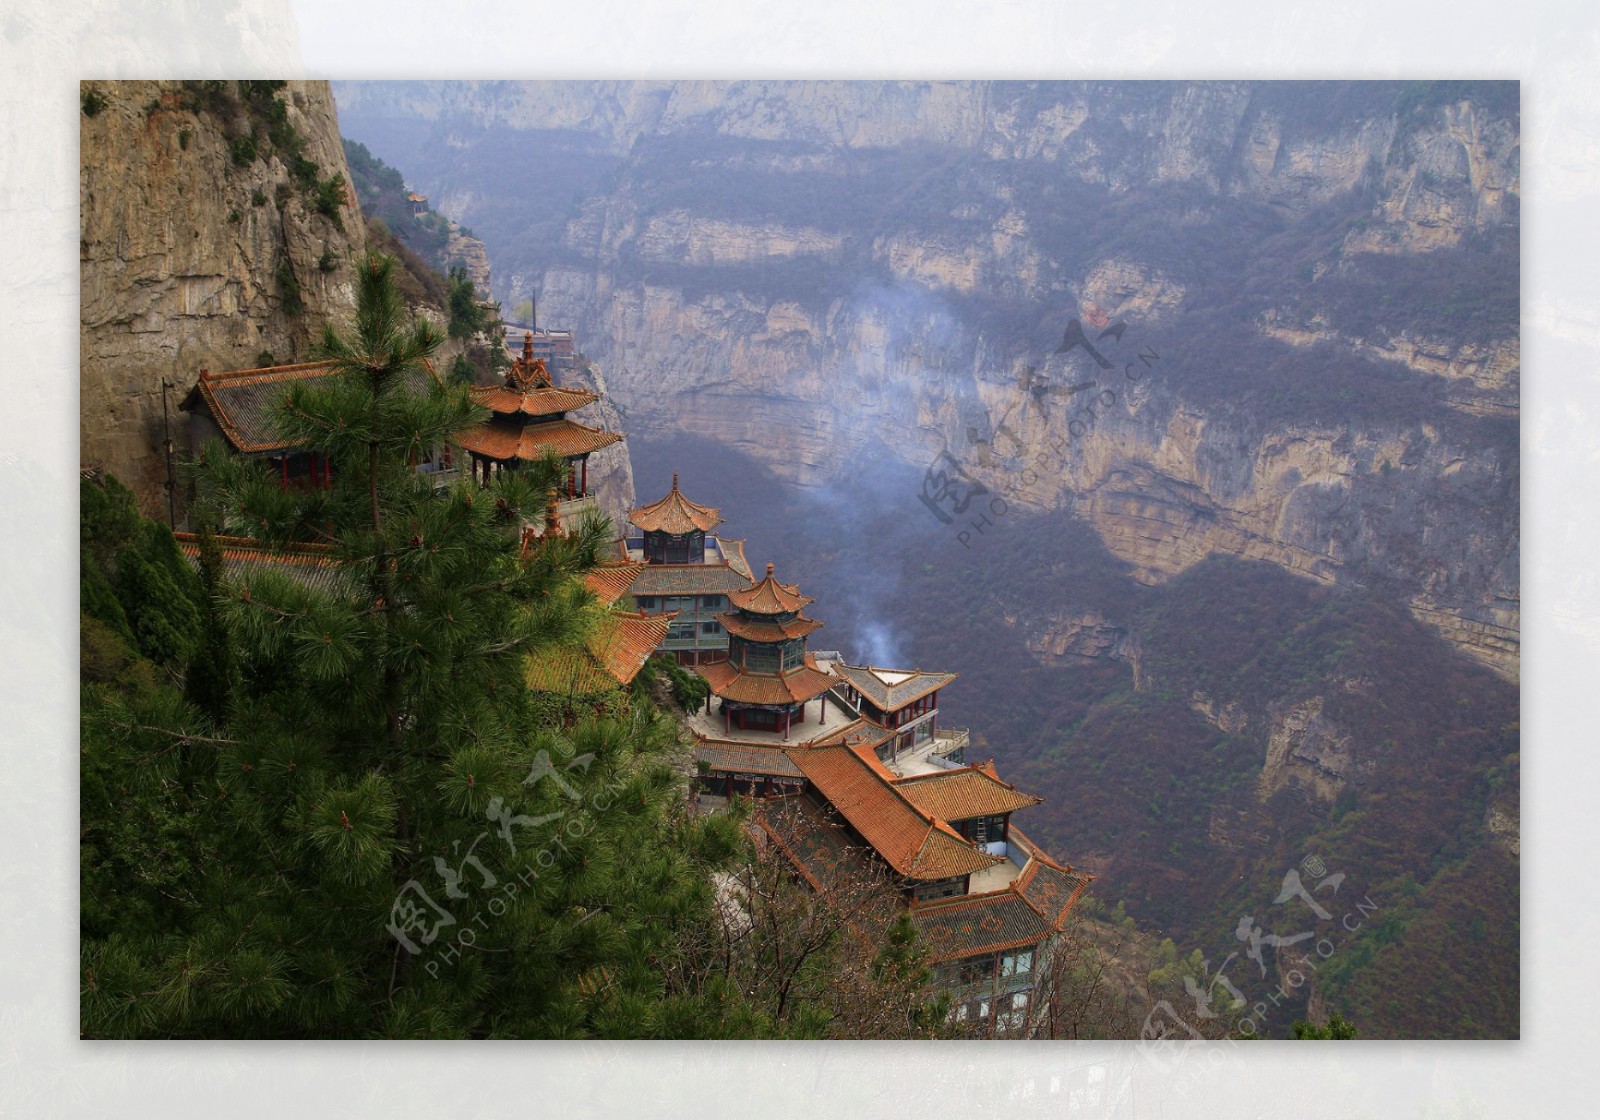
797 627
674 509
734 557
489 395
983 769
1044 857
254 543
723 676
771 596
867 758
501 439
265 373
918 682
1019 888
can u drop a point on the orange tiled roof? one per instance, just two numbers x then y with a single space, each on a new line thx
1050 888
543 401
967 925
856 733
689 579
743 758
893 689
242 401
957 795
762 630
730 682
610 581
734 551
610 657
506 439
675 514
311 565
953 928
771 597
912 841
628 640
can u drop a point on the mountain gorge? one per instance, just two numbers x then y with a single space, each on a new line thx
1230 575
1240 590
801 270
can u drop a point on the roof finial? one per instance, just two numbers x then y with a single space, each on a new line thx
771 567
674 480
527 346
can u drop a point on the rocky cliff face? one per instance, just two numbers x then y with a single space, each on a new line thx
192 259
803 270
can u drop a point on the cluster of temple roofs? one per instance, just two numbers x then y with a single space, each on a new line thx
849 764
527 420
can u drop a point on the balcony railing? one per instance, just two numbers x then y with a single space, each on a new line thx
950 745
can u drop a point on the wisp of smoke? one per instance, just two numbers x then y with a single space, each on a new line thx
876 645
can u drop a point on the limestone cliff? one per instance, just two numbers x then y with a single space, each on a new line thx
192 257
801 270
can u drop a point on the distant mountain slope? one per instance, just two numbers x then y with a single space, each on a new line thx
1328 270
1242 595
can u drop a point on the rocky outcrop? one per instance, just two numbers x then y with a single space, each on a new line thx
1228 717
1308 752
465 251
192 259
610 469
1504 824
1485 380
1076 635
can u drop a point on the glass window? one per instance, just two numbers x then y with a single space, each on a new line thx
1016 964
760 658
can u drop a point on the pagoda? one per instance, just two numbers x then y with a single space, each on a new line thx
684 568
530 421
768 677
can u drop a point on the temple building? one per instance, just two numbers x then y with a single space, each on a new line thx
558 348
768 678
855 780
687 570
906 704
530 421
987 901
237 408
608 659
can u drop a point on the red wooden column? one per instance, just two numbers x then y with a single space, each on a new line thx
584 489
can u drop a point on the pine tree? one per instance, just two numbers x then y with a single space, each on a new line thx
1336 1028
385 841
